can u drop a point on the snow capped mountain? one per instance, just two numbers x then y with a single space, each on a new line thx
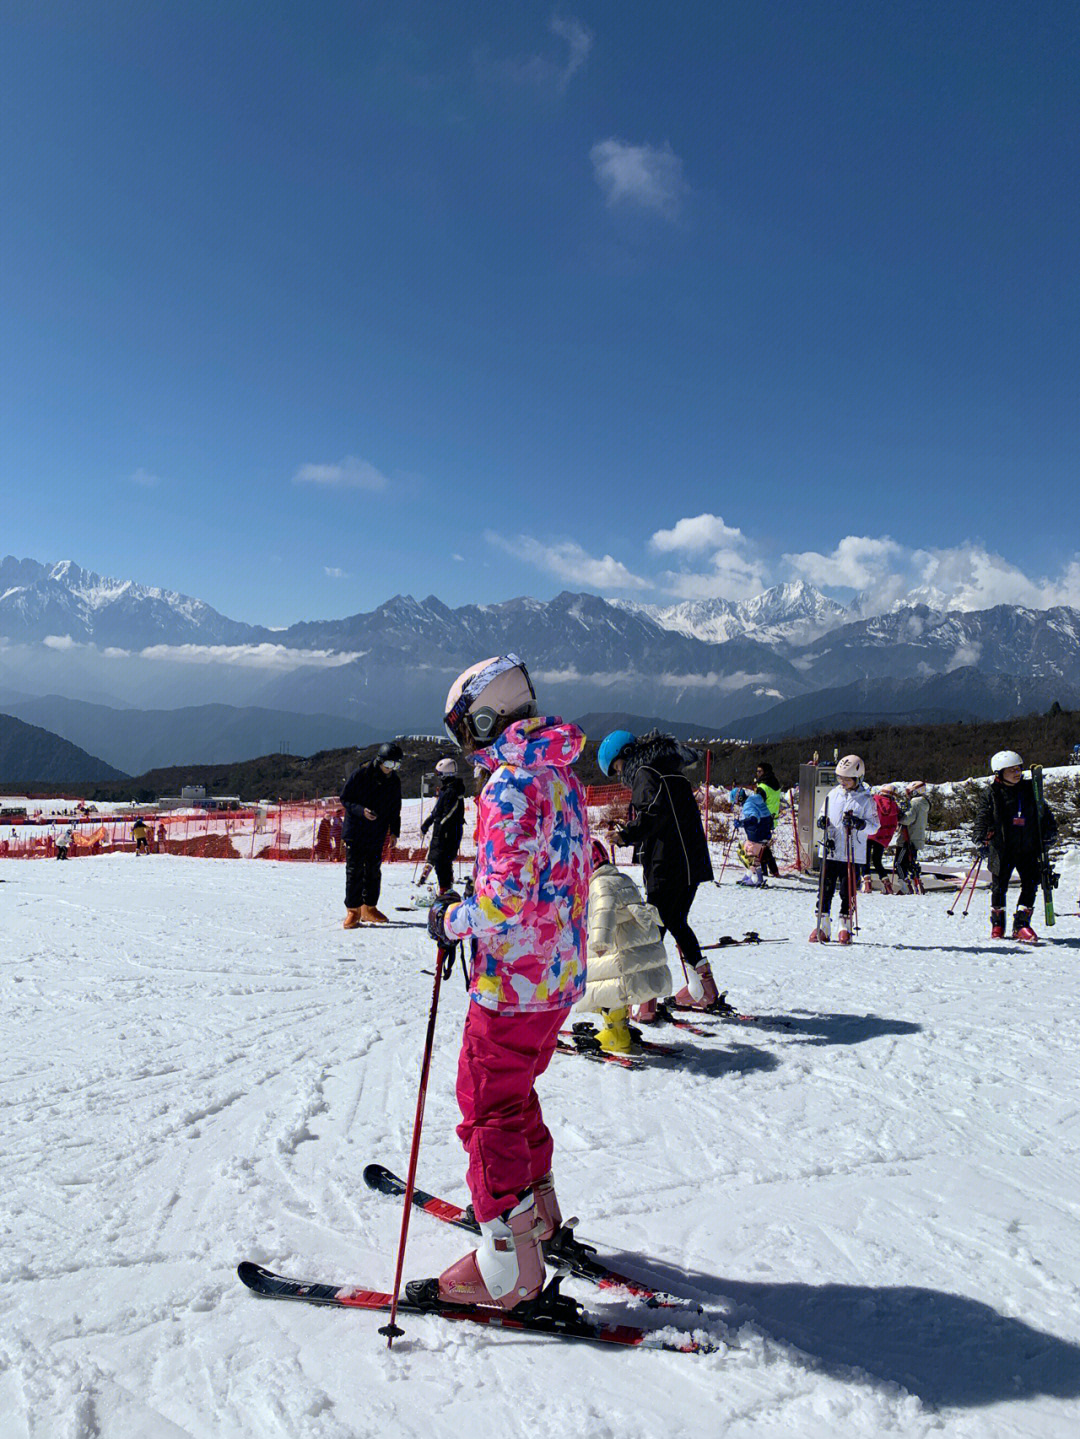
62 600
794 612
712 663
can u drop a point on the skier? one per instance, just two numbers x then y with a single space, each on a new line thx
64 840
447 824
1007 831
914 821
526 921
372 802
665 824
847 813
627 961
888 813
766 782
757 822
138 834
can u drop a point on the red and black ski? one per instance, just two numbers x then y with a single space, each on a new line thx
563 1324
578 1257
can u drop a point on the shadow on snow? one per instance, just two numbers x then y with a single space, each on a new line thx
948 1350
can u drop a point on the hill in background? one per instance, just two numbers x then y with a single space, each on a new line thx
29 755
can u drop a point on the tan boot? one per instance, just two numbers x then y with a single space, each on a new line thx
370 915
352 919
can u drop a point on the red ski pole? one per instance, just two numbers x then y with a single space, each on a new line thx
976 865
444 960
974 882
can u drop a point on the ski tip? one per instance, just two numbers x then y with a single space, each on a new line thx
251 1274
377 1176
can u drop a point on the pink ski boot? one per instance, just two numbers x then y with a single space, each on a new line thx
640 1014
548 1212
685 998
843 934
820 935
506 1268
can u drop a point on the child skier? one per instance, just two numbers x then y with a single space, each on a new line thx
665 825
757 822
888 813
767 785
847 813
447 824
914 822
1011 832
627 962
527 920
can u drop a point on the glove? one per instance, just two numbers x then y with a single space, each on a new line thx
982 851
437 916
854 821
822 822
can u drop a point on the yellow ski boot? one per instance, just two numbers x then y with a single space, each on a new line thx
614 1035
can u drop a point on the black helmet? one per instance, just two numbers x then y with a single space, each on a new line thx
389 753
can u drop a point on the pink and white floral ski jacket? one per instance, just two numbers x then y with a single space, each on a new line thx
529 908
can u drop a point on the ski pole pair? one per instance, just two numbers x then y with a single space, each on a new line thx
444 963
972 878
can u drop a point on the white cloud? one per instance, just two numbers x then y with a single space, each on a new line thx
857 562
701 532
332 572
649 177
145 479
580 42
60 642
349 474
734 571
543 71
961 577
261 657
568 561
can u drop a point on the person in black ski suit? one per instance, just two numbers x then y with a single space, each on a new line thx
372 803
447 824
1007 833
665 828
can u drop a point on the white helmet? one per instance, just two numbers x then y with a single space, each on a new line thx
1005 759
446 766
486 698
850 767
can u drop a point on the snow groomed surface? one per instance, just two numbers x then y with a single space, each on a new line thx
876 1205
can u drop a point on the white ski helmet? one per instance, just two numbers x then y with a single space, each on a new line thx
1005 759
850 767
485 698
446 766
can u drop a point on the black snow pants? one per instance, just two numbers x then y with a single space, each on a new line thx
673 906
363 875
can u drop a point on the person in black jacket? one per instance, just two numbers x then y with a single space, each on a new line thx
372 802
665 829
447 824
1012 834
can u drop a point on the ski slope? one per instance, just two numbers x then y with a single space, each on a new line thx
879 1205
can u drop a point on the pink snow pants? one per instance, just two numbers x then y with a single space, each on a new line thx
501 1127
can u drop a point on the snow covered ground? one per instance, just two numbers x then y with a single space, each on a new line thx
879 1205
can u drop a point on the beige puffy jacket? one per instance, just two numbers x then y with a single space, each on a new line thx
627 962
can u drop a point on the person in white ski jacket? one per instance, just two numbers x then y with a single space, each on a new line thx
627 961
848 815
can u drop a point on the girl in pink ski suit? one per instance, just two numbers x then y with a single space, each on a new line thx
527 920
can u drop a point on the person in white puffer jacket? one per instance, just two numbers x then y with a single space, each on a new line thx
627 962
848 815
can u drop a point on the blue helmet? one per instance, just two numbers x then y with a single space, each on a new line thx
611 747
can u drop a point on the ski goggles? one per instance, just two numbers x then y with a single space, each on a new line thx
389 764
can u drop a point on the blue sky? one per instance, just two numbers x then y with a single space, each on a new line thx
305 305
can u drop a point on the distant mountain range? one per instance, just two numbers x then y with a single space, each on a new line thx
779 663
